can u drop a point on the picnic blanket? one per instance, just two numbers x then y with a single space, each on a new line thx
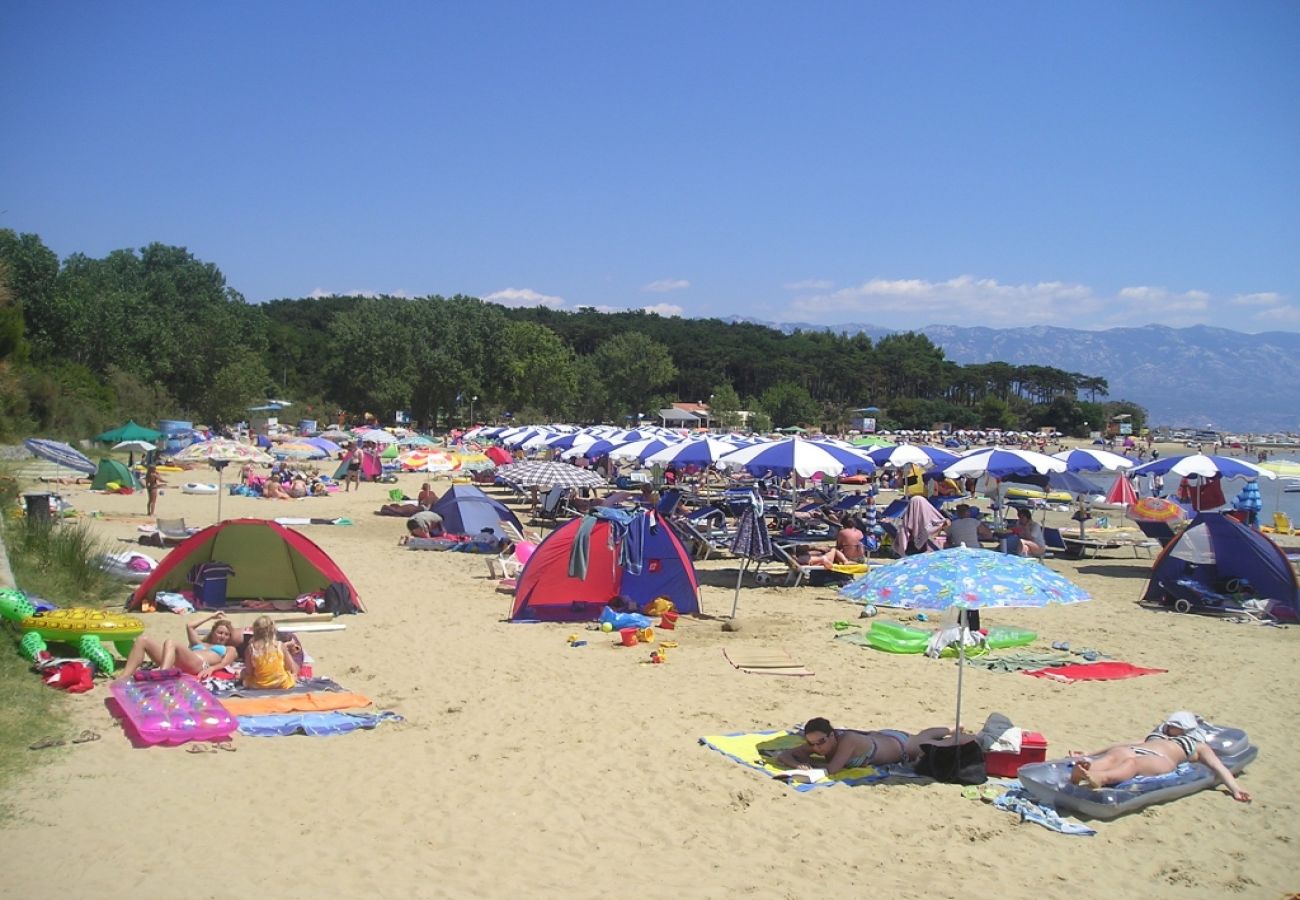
752 749
1098 671
304 686
764 661
313 724
316 701
1018 801
1018 662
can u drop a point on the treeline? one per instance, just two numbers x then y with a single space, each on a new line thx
158 333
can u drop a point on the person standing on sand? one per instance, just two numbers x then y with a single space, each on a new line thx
353 475
151 483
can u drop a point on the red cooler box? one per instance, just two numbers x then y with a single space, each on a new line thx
1033 748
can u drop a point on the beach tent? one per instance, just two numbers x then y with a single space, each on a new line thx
1216 549
112 470
548 592
270 562
465 509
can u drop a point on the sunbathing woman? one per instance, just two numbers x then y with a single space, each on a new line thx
268 661
840 748
1178 739
274 490
806 555
200 658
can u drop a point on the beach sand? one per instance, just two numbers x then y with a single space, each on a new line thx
529 768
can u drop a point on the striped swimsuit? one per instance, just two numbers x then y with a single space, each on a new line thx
1185 743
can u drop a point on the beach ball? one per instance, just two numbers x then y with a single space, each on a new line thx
606 627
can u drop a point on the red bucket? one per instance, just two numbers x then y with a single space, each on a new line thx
628 635
669 620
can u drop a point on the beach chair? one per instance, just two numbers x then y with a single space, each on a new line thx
509 565
705 530
1054 543
553 505
783 556
173 531
1282 523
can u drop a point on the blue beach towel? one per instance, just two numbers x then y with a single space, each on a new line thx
314 724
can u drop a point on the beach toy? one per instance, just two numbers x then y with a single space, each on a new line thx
619 621
169 707
1050 781
195 487
92 649
1001 636
869 611
646 635
32 647
606 627
669 620
628 635
69 626
893 637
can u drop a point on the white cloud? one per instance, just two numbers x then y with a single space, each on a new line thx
1265 298
1275 316
665 285
523 297
368 294
964 300
667 310
810 284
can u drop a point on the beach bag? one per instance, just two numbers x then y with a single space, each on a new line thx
962 764
337 600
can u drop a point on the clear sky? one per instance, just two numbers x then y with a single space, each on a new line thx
1073 163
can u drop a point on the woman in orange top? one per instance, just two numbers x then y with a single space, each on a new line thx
268 662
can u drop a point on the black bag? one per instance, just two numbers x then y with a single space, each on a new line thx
337 600
961 764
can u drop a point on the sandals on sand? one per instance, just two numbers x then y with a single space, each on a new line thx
211 747
86 736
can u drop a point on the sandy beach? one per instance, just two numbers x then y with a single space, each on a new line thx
529 768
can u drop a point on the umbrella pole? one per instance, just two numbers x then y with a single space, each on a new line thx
220 490
735 601
961 667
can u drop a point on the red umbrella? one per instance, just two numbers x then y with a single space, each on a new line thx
1122 492
499 455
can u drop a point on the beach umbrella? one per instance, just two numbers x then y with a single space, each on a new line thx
751 541
129 432
1157 509
964 578
377 436
594 450
219 453
330 448
1204 466
640 449
803 458
416 440
696 452
336 434
1090 459
855 460
134 447
999 462
870 441
499 455
570 441
905 454
543 473
298 450
60 453
1121 491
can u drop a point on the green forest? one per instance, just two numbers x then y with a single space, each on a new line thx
157 333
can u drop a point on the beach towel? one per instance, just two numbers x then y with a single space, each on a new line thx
1018 801
1098 671
751 750
304 686
764 661
289 703
316 724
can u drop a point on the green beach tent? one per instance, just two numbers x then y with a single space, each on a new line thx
112 470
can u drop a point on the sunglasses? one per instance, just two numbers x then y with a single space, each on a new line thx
820 742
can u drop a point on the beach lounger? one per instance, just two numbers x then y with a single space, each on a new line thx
705 530
174 531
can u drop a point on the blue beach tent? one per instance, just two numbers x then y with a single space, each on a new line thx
1219 553
465 509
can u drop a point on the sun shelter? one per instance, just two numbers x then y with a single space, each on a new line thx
580 566
110 470
467 510
129 432
1220 554
269 562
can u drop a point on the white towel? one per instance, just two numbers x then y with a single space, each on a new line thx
1008 741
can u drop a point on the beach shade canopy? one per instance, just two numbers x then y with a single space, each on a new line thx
803 458
905 454
640 449
129 432
336 434
548 474
330 448
377 436
298 450
594 450
699 452
61 454
1157 509
964 578
1000 462
499 455
221 450
135 446
1121 491
270 562
854 459
1090 459
751 541
465 509
1217 554
641 559
1204 466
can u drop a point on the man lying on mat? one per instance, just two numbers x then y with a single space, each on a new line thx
840 748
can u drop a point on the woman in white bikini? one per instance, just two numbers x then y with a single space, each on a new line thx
1178 739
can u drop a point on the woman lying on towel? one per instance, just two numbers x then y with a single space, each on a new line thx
1178 739
200 658
839 748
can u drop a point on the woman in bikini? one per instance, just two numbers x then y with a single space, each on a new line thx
1177 740
202 657
839 748
848 541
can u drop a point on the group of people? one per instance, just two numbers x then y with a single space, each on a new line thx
921 526
284 482
268 661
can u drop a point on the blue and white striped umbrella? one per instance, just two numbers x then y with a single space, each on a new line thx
640 450
905 454
1000 462
60 453
803 458
1204 466
1089 459
698 452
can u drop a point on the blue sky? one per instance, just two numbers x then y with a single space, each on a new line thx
1084 164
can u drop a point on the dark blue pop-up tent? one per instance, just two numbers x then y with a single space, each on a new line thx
465 509
1222 555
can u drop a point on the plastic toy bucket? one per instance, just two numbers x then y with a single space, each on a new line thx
628 635
669 620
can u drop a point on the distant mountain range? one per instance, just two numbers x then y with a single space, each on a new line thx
1195 376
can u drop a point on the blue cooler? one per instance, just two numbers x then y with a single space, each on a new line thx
209 581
